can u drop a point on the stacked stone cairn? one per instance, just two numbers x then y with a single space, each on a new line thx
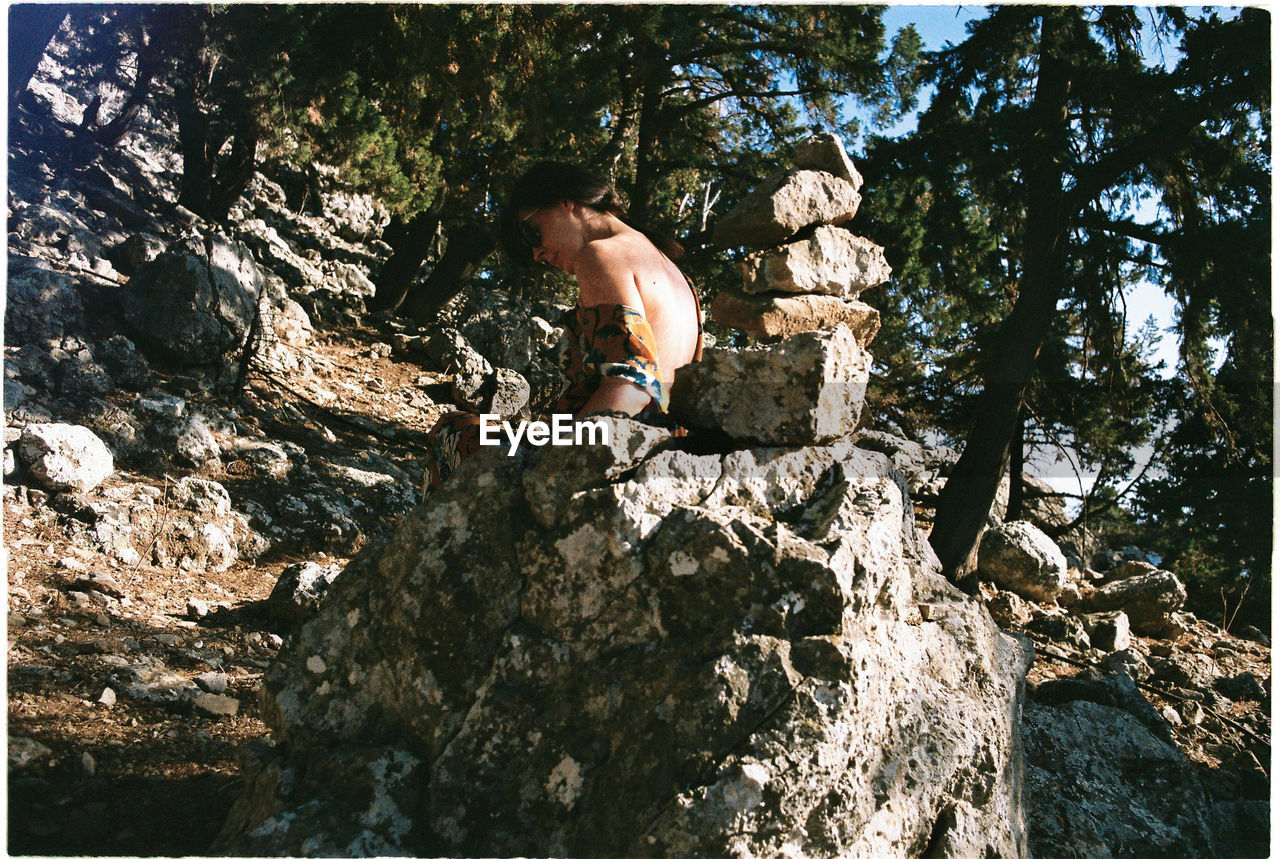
806 270
801 278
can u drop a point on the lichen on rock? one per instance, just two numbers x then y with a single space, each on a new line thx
676 654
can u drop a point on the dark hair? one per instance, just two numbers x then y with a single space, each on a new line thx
548 183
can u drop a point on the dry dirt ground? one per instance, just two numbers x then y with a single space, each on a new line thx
140 778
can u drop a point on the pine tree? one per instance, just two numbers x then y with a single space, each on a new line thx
1048 125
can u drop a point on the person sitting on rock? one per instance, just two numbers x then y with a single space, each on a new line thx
637 319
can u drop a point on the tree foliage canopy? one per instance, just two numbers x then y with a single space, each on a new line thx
1061 163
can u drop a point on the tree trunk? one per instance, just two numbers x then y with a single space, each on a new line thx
409 241
652 75
31 27
1016 458
233 175
971 489
467 248
193 142
148 64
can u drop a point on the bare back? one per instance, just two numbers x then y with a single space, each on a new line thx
626 268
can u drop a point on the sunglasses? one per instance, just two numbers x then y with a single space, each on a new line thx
530 235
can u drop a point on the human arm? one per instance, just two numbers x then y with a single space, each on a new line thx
616 394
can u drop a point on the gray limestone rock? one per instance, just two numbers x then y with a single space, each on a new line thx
1128 570
41 304
207 498
807 389
218 706
1009 610
1021 557
1064 628
674 655
25 753
1108 631
135 251
153 683
1149 599
826 152
213 682
194 303
832 261
354 280
478 385
299 590
784 204
127 366
774 317
65 456
1100 783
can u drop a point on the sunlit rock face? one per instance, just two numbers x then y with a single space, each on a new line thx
640 650
830 261
784 204
807 389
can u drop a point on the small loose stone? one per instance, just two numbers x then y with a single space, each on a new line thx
216 705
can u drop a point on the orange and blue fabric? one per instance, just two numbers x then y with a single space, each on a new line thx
601 341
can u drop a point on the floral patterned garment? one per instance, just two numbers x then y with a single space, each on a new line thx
600 341
606 340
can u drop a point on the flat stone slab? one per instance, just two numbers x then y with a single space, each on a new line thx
216 705
771 317
783 205
832 261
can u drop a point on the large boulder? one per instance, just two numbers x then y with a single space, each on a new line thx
807 389
195 302
774 317
832 261
698 655
1100 782
784 204
1021 557
41 304
1149 599
65 457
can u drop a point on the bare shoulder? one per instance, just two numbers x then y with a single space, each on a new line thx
606 274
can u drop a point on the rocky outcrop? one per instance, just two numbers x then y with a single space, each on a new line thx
702 655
